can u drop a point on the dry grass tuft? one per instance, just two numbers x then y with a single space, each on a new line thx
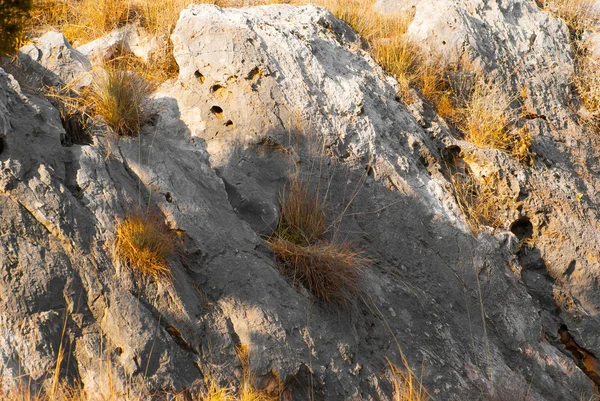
389 44
246 390
331 270
579 15
144 243
82 21
587 83
407 387
74 115
117 96
478 200
13 15
487 121
302 220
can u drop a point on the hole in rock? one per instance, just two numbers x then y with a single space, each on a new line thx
255 73
168 197
1 145
522 228
217 111
229 123
216 88
199 77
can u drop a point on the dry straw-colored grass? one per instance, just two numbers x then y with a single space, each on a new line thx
587 83
478 200
329 268
578 14
85 20
392 48
407 386
13 14
487 120
117 96
144 243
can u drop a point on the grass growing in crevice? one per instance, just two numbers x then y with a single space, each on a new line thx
478 200
117 95
582 15
145 243
407 386
74 115
488 120
327 267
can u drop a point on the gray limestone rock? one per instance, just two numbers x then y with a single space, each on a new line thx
263 93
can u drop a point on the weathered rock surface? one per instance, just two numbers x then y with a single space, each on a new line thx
524 48
262 92
55 62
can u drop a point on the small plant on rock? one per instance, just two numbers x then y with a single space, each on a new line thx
117 95
330 269
487 121
144 243
407 386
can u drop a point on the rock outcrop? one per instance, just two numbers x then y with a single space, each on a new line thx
264 92
524 48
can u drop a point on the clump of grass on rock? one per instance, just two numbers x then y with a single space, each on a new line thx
117 95
406 385
487 120
330 269
144 243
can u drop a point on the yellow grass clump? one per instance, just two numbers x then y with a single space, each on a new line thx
395 51
487 121
144 243
587 83
117 96
406 385
13 14
478 200
578 14
330 269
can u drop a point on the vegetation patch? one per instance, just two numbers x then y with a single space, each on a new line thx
117 96
478 200
144 243
330 269
579 15
487 120
407 386
392 49
13 14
